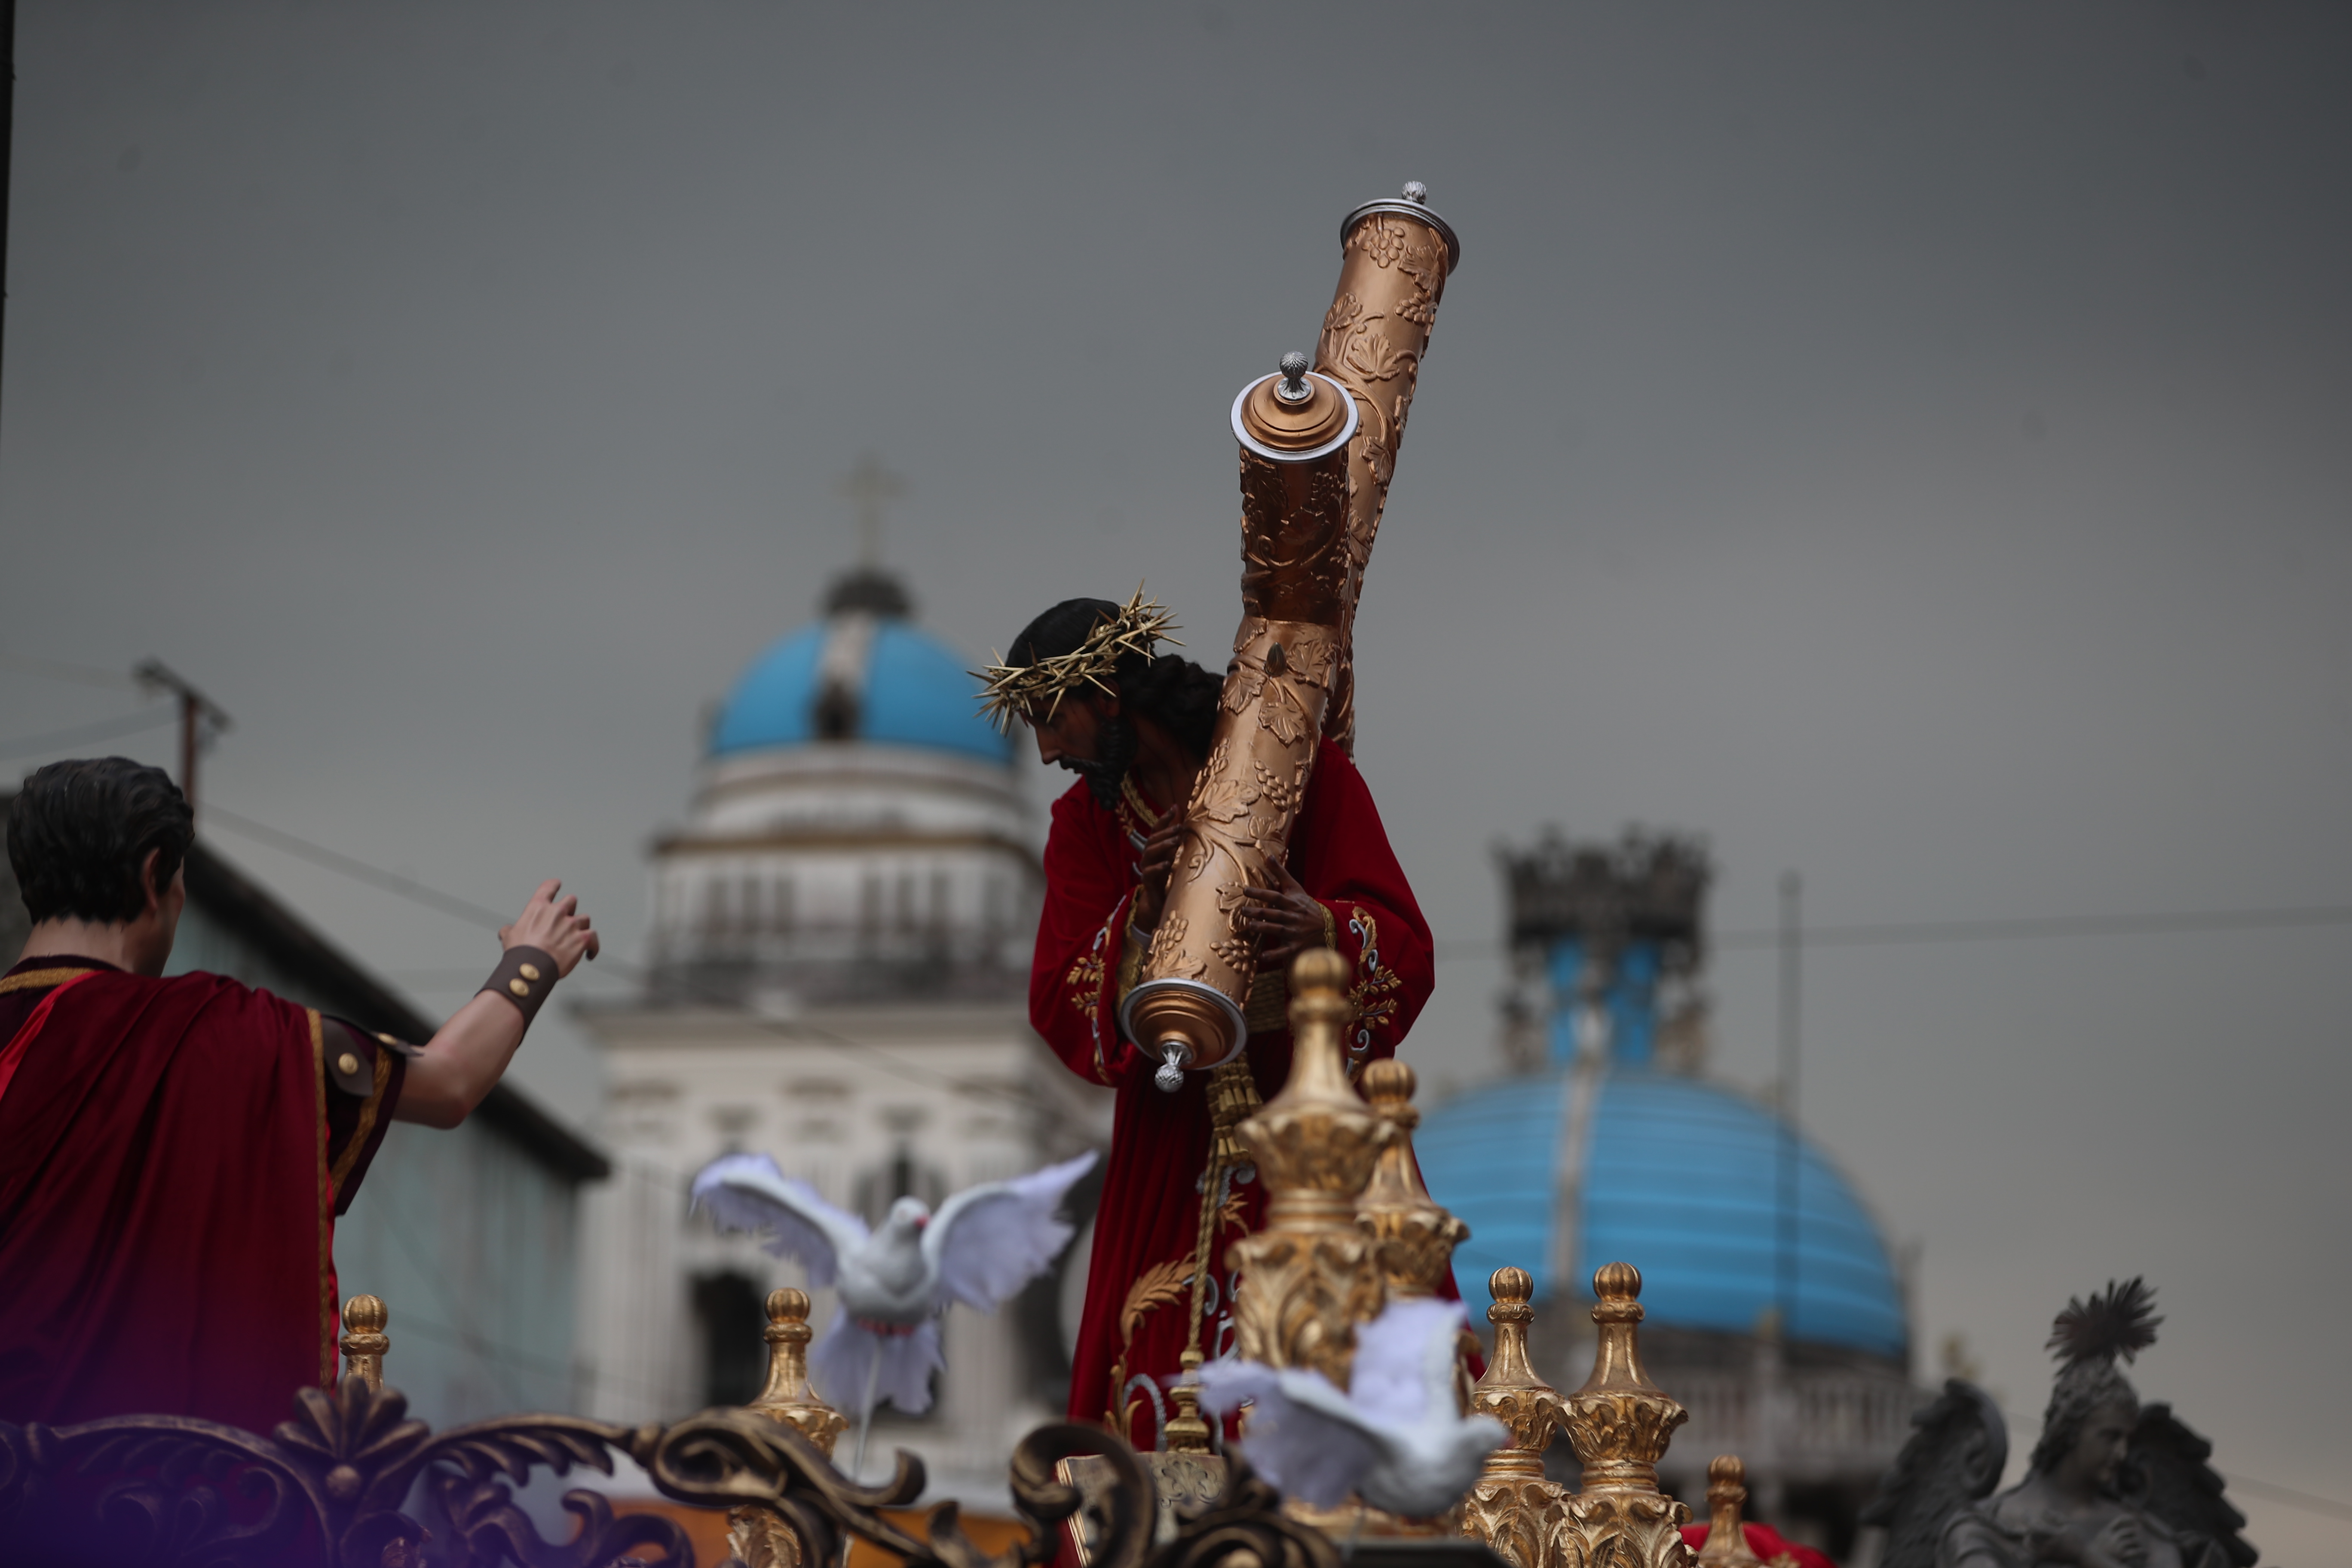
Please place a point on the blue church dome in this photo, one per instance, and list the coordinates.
(864, 673)
(1682, 1180)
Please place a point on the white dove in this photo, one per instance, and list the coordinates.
(984, 1243)
(1393, 1439)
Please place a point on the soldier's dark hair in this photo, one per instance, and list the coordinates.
(1171, 690)
(79, 832)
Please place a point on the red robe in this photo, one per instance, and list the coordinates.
(172, 1154)
(1138, 1308)
(1768, 1544)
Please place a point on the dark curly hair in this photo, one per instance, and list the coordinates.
(1172, 691)
(79, 832)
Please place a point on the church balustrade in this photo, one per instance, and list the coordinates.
(1830, 1420)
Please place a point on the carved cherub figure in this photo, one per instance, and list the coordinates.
(2111, 1484)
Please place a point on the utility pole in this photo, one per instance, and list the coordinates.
(201, 718)
(7, 142)
(1791, 943)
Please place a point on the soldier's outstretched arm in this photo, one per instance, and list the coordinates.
(452, 1071)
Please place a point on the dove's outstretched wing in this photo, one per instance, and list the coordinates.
(987, 1242)
(1303, 1434)
(1393, 1437)
(1957, 1447)
(746, 1192)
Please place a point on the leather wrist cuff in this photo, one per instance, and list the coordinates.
(525, 976)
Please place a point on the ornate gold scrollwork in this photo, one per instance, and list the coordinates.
(325, 1489)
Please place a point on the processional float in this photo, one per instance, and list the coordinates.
(1349, 1225)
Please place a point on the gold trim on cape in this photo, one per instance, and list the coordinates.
(368, 1110)
(33, 979)
(331, 1320)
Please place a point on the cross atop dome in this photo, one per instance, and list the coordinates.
(868, 487)
(867, 588)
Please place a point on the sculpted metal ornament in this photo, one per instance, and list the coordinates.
(1413, 1236)
(1395, 257)
(1512, 1509)
(1317, 448)
(758, 1535)
(1620, 1423)
(1727, 1537)
(1190, 1007)
(1308, 1278)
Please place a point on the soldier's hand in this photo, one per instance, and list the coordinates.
(1157, 863)
(556, 929)
(1284, 920)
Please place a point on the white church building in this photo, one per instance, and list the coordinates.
(838, 978)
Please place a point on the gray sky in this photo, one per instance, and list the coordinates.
(1908, 445)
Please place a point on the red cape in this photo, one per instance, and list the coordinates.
(1138, 1306)
(166, 1204)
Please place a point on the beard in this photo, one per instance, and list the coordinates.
(1116, 742)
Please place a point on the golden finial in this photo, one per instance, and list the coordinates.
(1310, 1272)
(1727, 1541)
(365, 1342)
(1620, 1423)
(1512, 1509)
(1416, 1236)
(788, 1397)
(1187, 1430)
(1510, 1391)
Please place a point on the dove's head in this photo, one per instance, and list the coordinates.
(908, 1213)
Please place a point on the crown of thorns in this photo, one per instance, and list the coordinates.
(1010, 690)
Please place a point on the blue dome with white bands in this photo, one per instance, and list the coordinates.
(859, 676)
(1682, 1180)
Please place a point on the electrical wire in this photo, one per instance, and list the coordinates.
(58, 669)
(104, 730)
(2007, 929)
(1886, 933)
(375, 876)
(482, 915)
(2311, 1501)
(2292, 1498)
